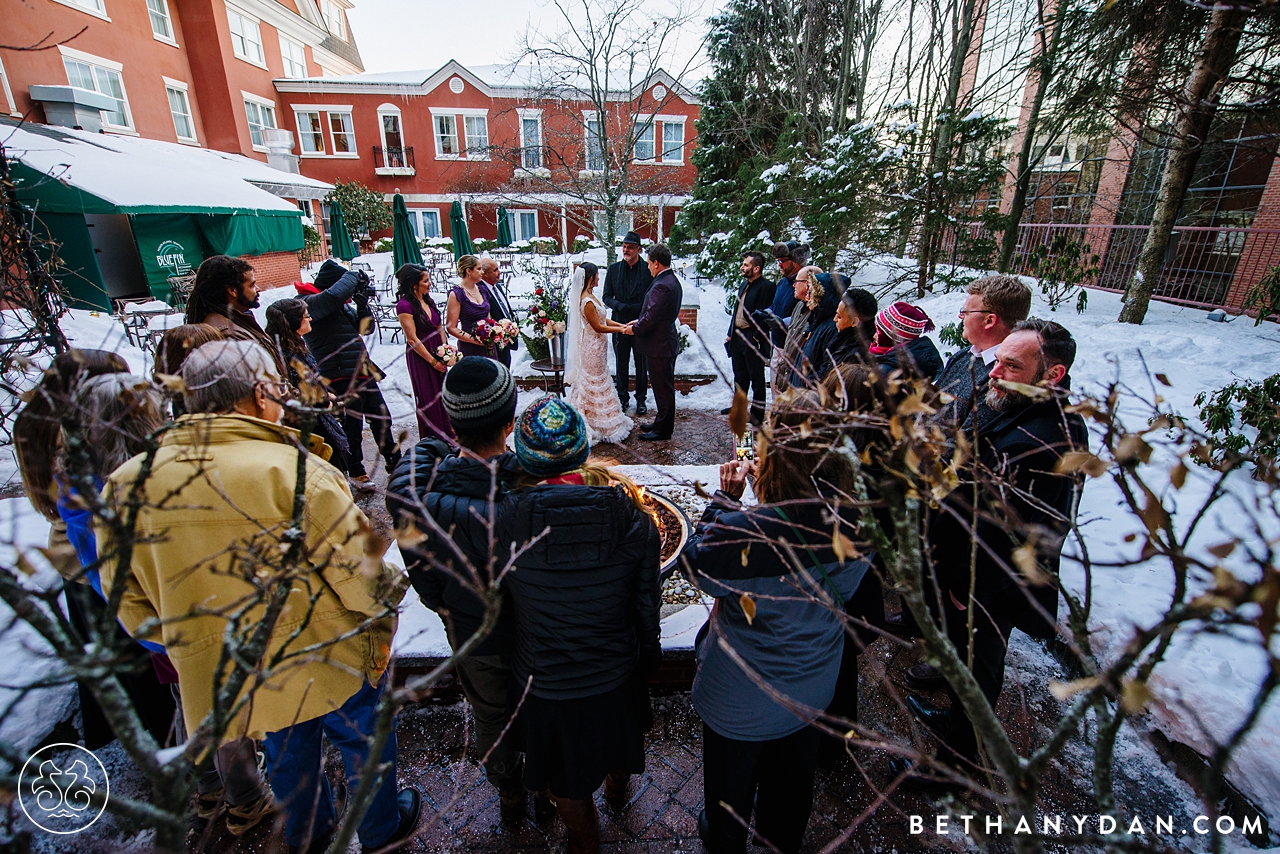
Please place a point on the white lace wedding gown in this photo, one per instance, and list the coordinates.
(593, 393)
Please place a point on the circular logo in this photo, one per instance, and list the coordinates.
(59, 787)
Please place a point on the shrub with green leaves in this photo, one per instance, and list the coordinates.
(363, 210)
(952, 335)
(1264, 296)
(1063, 266)
(1243, 419)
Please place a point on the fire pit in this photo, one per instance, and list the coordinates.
(673, 526)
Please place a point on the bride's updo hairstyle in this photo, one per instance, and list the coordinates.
(590, 273)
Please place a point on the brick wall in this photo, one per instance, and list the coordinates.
(689, 317)
(275, 269)
(1259, 250)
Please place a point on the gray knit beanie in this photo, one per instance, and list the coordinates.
(479, 394)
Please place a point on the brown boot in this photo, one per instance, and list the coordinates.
(615, 788)
(581, 824)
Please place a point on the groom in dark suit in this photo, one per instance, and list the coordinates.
(657, 341)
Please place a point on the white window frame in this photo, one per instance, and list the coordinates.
(475, 152)
(172, 38)
(8, 93)
(661, 155)
(436, 135)
(285, 44)
(234, 12)
(181, 88)
(106, 65)
(419, 217)
(96, 8)
(299, 110)
(406, 168)
(513, 219)
(643, 123)
(352, 152)
(260, 102)
(525, 115)
(588, 139)
(626, 222)
(336, 18)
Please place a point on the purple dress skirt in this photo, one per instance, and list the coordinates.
(427, 382)
(468, 315)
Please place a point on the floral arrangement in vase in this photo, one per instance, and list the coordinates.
(548, 315)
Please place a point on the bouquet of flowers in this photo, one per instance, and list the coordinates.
(496, 334)
(548, 315)
(447, 354)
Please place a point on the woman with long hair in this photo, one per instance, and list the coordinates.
(287, 321)
(468, 304)
(420, 320)
(814, 360)
(759, 750)
(586, 600)
(174, 347)
(591, 390)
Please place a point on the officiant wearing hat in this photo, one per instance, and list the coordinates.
(626, 283)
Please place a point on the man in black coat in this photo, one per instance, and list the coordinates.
(993, 307)
(656, 339)
(1023, 500)
(625, 284)
(748, 343)
(339, 350)
(499, 305)
(452, 566)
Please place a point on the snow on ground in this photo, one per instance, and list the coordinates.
(1202, 689)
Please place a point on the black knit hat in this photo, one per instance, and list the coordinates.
(479, 394)
(329, 274)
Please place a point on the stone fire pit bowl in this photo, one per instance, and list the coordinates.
(674, 526)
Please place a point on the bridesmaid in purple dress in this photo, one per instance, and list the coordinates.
(468, 303)
(420, 320)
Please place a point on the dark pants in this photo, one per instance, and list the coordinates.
(992, 625)
(623, 347)
(487, 682)
(866, 604)
(748, 373)
(294, 761)
(503, 355)
(781, 771)
(365, 402)
(662, 373)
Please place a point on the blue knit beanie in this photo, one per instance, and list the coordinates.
(551, 438)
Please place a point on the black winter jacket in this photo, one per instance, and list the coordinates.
(922, 353)
(625, 288)
(1023, 446)
(455, 492)
(334, 338)
(586, 594)
(816, 361)
(755, 297)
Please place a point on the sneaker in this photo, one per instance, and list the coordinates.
(241, 819)
(209, 805)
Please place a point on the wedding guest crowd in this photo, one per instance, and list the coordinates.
(252, 582)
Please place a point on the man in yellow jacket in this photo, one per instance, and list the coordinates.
(214, 540)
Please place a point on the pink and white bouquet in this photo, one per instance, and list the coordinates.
(449, 355)
(495, 334)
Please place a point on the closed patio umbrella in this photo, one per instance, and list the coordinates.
(458, 226)
(504, 227)
(404, 244)
(340, 243)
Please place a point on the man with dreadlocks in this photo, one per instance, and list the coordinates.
(222, 296)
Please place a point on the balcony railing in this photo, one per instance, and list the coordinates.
(393, 158)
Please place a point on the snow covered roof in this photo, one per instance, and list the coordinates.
(106, 173)
(493, 80)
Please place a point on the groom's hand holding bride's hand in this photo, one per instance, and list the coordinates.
(629, 329)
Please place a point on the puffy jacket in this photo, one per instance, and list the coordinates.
(454, 491)
(222, 487)
(922, 354)
(814, 361)
(793, 641)
(586, 594)
(334, 338)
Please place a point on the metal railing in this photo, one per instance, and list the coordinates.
(393, 158)
(1203, 266)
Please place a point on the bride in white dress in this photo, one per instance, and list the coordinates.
(591, 390)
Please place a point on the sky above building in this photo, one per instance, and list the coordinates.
(398, 35)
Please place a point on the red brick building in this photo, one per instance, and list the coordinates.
(493, 135)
